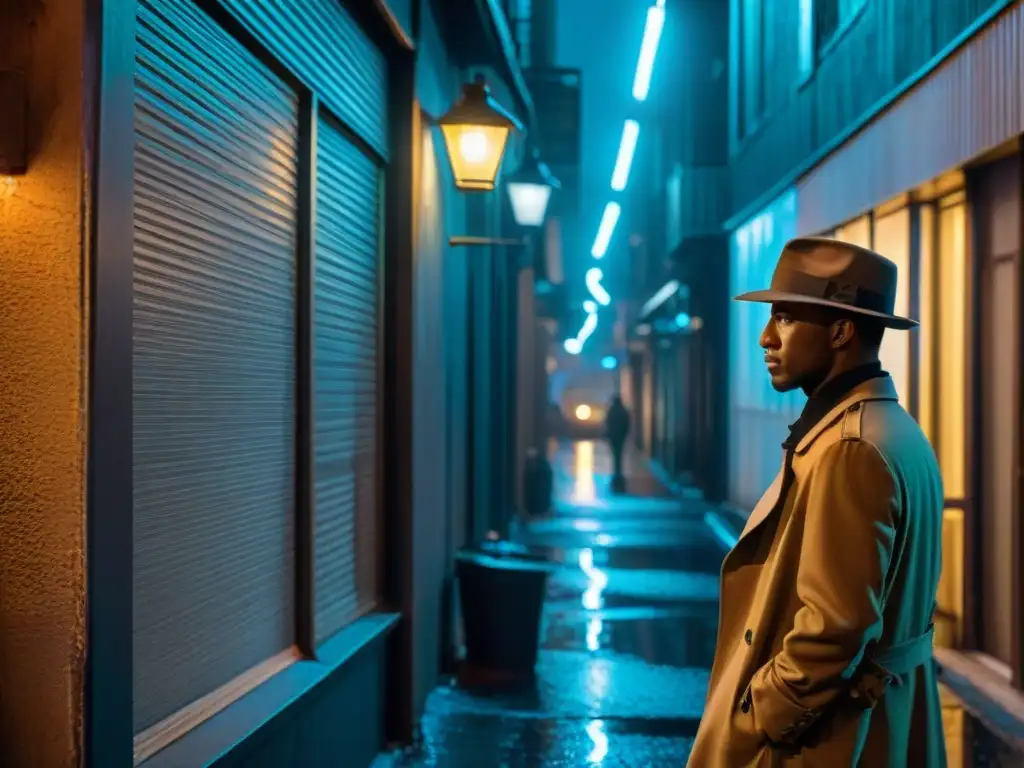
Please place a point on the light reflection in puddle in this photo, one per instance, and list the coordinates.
(584, 489)
(595, 730)
(594, 628)
(592, 599)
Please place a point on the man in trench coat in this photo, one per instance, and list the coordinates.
(824, 652)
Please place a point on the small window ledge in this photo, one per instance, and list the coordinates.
(984, 692)
(217, 736)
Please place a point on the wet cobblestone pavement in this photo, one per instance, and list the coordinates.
(627, 635)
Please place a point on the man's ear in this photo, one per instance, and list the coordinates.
(842, 332)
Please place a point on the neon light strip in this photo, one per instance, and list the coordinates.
(609, 219)
(666, 292)
(624, 161)
(593, 279)
(648, 50)
(589, 326)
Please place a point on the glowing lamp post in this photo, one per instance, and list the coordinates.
(476, 130)
(529, 190)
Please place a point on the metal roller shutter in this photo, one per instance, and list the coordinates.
(214, 364)
(345, 366)
(324, 46)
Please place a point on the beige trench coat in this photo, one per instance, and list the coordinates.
(824, 635)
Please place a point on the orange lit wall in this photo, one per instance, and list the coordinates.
(42, 369)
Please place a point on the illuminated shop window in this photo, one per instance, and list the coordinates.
(892, 240)
(927, 331)
(952, 346)
(857, 232)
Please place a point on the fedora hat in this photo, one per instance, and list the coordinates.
(831, 273)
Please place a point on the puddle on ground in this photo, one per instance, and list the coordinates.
(471, 741)
(698, 553)
(682, 636)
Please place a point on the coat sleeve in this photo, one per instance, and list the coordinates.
(847, 543)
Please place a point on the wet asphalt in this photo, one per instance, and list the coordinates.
(626, 641)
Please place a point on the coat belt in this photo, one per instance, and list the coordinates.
(904, 658)
(885, 667)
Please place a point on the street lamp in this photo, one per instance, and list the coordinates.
(476, 130)
(529, 190)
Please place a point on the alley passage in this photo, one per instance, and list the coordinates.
(627, 637)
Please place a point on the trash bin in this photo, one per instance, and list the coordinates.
(501, 588)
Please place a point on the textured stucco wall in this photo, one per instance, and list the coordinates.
(42, 434)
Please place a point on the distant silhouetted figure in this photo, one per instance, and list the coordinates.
(538, 482)
(616, 429)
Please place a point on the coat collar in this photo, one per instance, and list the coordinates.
(873, 389)
(826, 398)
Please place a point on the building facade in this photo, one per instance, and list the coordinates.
(896, 125)
(254, 400)
(931, 178)
(678, 263)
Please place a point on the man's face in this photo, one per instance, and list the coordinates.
(797, 343)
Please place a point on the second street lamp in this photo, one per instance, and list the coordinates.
(529, 190)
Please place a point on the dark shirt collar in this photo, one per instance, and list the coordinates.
(828, 397)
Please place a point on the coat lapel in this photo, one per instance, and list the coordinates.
(767, 503)
(873, 389)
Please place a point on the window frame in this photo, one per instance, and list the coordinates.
(956, 616)
(109, 717)
(956, 622)
(746, 125)
(907, 276)
(807, 47)
(818, 48)
(823, 45)
(951, 201)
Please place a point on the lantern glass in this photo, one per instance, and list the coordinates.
(529, 190)
(475, 153)
(529, 202)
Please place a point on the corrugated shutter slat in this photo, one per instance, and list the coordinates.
(214, 366)
(345, 380)
(324, 46)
